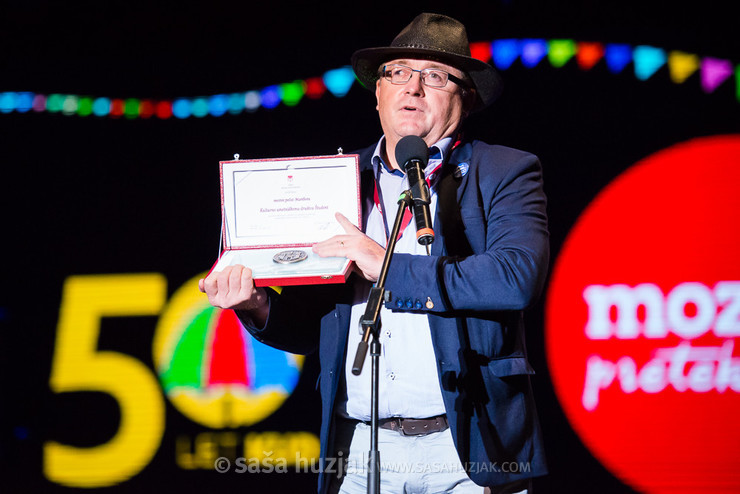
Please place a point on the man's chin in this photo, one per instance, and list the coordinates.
(412, 129)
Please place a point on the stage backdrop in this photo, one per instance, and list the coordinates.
(118, 375)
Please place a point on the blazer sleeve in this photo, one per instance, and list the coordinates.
(503, 208)
(293, 324)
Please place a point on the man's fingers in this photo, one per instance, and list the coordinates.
(235, 280)
(233, 287)
(246, 282)
(349, 228)
(222, 282)
(210, 284)
(337, 246)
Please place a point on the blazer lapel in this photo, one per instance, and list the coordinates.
(448, 225)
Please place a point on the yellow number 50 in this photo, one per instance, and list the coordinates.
(79, 366)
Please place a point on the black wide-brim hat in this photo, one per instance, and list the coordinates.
(432, 37)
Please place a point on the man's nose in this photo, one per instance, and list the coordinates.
(415, 86)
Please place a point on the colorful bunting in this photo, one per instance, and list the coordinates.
(7, 102)
(560, 51)
(199, 108)
(505, 52)
(39, 103)
(589, 54)
(116, 107)
(682, 65)
(218, 105)
(339, 81)
(617, 57)
(252, 100)
(481, 50)
(292, 92)
(146, 108)
(236, 103)
(181, 108)
(648, 60)
(533, 50)
(270, 97)
(315, 88)
(714, 72)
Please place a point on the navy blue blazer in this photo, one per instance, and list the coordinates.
(489, 261)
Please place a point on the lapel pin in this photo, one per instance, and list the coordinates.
(461, 170)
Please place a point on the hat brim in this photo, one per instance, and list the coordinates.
(487, 81)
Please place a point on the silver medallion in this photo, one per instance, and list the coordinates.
(290, 256)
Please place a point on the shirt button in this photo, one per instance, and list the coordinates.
(388, 334)
(392, 376)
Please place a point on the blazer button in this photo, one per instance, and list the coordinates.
(399, 303)
(430, 304)
(417, 304)
(409, 303)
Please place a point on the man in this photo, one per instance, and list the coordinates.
(456, 406)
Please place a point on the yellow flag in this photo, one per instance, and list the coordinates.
(681, 65)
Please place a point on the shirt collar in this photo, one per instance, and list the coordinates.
(437, 153)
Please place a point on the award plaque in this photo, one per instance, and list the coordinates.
(274, 210)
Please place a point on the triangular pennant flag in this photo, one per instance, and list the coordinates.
(315, 87)
(481, 50)
(292, 92)
(560, 51)
(617, 57)
(648, 59)
(505, 52)
(714, 71)
(339, 81)
(589, 54)
(681, 65)
(533, 50)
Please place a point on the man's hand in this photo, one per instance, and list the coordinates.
(233, 288)
(356, 246)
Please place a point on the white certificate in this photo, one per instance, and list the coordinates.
(294, 201)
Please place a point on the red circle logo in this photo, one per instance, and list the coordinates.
(643, 317)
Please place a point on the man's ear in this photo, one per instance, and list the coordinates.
(377, 93)
(469, 96)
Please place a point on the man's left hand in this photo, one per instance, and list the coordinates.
(356, 246)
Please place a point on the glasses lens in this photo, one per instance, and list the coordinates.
(397, 74)
(434, 78)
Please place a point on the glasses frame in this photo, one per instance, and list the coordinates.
(384, 74)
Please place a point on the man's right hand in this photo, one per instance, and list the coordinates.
(233, 288)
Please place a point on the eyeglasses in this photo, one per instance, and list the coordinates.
(400, 74)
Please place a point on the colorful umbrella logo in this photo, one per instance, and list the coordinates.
(212, 370)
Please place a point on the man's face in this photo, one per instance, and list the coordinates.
(416, 109)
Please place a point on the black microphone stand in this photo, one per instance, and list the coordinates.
(371, 324)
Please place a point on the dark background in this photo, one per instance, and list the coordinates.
(88, 195)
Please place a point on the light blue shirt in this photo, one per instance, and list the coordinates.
(409, 383)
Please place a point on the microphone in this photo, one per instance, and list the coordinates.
(412, 154)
